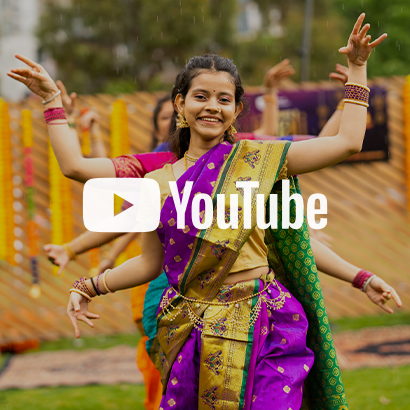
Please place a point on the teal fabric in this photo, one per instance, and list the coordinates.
(151, 303)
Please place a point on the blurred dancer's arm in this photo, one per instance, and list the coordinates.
(116, 249)
(270, 115)
(332, 264)
(59, 254)
(333, 124)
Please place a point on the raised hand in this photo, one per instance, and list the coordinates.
(278, 73)
(379, 292)
(35, 77)
(88, 119)
(358, 48)
(67, 100)
(77, 309)
(342, 74)
(57, 256)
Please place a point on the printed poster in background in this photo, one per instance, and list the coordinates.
(305, 112)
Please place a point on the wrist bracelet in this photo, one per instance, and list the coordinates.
(356, 94)
(96, 290)
(366, 284)
(52, 98)
(71, 254)
(361, 277)
(81, 293)
(105, 281)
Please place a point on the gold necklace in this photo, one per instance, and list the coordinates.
(188, 157)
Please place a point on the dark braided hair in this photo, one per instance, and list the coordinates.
(179, 137)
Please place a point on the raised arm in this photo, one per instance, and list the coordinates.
(64, 142)
(318, 153)
(60, 255)
(328, 262)
(270, 115)
(134, 272)
(332, 126)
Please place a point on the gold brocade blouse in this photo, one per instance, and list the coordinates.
(254, 253)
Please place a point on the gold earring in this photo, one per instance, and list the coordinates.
(231, 130)
(182, 122)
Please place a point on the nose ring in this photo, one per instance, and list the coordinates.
(219, 109)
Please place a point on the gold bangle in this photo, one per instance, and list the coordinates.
(105, 282)
(358, 85)
(71, 254)
(81, 293)
(346, 100)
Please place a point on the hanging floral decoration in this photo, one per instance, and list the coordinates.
(32, 228)
(7, 224)
(60, 204)
(406, 116)
(85, 136)
(120, 145)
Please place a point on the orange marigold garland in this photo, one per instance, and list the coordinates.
(406, 116)
(7, 251)
(32, 228)
(85, 136)
(119, 138)
(120, 145)
(60, 204)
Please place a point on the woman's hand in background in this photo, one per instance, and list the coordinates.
(57, 255)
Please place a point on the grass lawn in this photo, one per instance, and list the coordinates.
(375, 389)
(366, 389)
(384, 319)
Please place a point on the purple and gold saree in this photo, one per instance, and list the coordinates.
(241, 346)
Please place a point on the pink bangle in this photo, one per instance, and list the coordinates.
(55, 113)
(361, 278)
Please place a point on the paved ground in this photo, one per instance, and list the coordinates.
(72, 368)
(369, 347)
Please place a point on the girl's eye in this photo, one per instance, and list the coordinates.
(225, 100)
(200, 97)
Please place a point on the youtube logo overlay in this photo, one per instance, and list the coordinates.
(144, 205)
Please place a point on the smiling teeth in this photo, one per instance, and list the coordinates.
(210, 119)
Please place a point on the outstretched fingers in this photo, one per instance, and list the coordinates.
(61, 87)
(364, 31)
(358, 24)
(74, 321)
(18, 78)
(28, 61)
(378, 40)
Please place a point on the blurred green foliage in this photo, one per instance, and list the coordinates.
(125, 45)
(392, 57)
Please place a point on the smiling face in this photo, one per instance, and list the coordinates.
(209, 105)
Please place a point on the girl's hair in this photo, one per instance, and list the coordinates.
(179, 137)
(157, 110)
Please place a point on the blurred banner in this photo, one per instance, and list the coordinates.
(305, 112)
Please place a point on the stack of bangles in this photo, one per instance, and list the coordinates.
(80, 286)
(55, 113)
(362, 279)
(357, 94)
